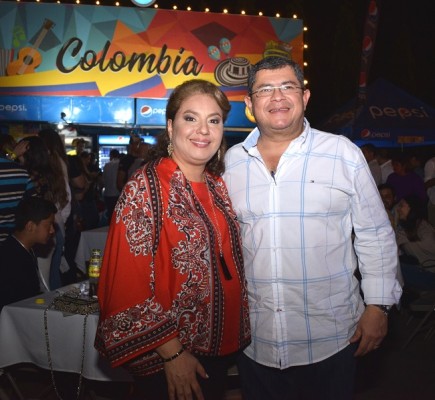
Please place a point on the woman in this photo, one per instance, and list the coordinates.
(416, 240)
(172, 288)
(59, 160)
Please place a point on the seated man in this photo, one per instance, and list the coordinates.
(388, 195)
(19, 274)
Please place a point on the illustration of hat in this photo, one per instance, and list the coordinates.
(232, 71)
(277, 49)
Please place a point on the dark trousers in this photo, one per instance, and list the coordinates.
(330, 379)
(155, 387)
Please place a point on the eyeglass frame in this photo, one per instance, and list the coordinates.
(280, 87)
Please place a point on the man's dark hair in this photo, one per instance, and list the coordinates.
(386, 186)
(114, 153)
(274, 62)
(370, 147)
(33, 209)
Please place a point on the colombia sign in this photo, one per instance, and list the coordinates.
(83, 50)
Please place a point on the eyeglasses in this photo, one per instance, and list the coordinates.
(267, 91)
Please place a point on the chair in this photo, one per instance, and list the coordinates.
(419, 280)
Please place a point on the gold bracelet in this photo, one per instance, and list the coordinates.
(177, 354)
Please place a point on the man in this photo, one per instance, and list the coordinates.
(111, 192)
(19, 273)
(299, 195)
(388, 197)
(79, 145)
(127, 161)
(369, 151)
(15, 184)
(385, 162)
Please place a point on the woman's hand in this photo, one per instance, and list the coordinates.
(21, 147)
(181, 377)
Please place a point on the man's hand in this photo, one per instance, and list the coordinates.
(181, 377)
(370, 331)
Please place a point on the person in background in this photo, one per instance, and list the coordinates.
(111, 192)
(15, 184)
(172, 294)
(7, 145)
(388, 198)
(88, 205)
(404, 181)
(46, 173)
(384, 159)
(126, 161)
(369, 151)
(141, 159)
(415, 236)
(299, 195)
(19, 273)
(416, 240)
(415, 162)
(79, 184)
(79, 145)
(58, 159)
(429, 182)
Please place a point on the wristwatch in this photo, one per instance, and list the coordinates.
(383, 308)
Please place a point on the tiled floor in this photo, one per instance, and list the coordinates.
(392, 372)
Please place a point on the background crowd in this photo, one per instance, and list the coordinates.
(84, 197)
(406, 182)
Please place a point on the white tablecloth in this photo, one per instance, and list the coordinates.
(22, 340)
(91, 239)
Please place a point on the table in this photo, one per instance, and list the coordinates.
(22, 339)
(91, 239)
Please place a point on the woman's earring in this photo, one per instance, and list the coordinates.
(219, 155)
(170, 149)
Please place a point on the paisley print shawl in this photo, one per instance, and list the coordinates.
(162, 247)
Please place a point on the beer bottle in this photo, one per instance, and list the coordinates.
(94, 271)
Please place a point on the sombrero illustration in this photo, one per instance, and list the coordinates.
(232, 71)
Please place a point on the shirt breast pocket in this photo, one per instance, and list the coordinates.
(317, 197)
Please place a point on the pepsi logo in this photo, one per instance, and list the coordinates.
(365, 133)
(146, 111)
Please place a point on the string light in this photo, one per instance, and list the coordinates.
(207, 10)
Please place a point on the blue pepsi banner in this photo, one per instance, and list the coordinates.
(151, 112)
(77, 109)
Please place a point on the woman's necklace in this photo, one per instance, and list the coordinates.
(217, 230)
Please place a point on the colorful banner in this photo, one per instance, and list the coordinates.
(83, 50)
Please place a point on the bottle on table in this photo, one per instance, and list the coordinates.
(94, 271)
